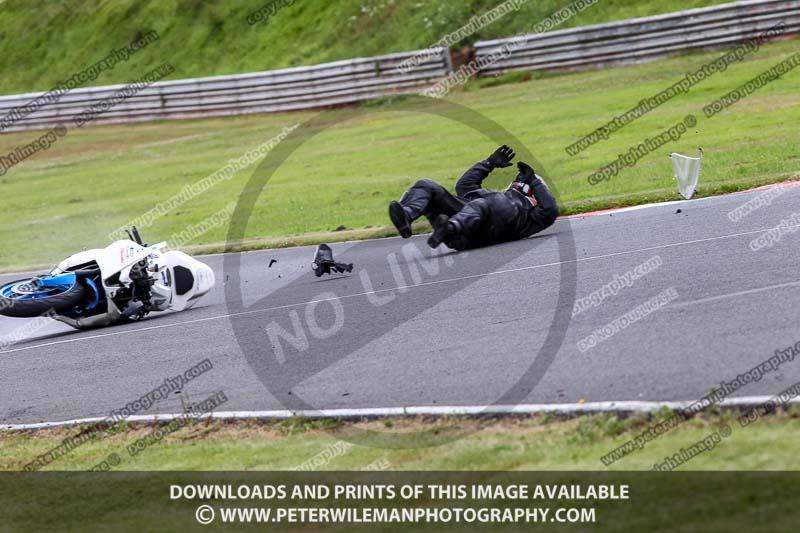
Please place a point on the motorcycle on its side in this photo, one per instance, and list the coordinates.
(122, 282)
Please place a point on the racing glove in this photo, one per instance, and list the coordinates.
(501, 157)
(524, 182)
(526, 173)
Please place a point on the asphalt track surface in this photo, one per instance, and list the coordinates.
(461, 336)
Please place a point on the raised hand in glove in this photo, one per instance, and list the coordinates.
(524, 182)
(526, 173)
(501, 157)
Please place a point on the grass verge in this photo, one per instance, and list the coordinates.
(542, 442)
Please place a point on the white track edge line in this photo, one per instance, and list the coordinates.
(435, 410)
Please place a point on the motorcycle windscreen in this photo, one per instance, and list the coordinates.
(120, 255)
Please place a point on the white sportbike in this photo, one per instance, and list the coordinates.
(122, 282)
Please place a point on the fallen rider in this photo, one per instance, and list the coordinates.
(475, 216)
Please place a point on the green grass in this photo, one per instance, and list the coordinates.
(96, 179)
(255, 453)
(530, 443)
(45, 42)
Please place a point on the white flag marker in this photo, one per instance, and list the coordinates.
(687, 172)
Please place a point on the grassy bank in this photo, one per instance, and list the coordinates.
(42, 43)
(531, 443)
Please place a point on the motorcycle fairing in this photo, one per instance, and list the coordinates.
(186, 279)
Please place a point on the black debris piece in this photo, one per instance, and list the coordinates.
(272, 262)
(324, 263)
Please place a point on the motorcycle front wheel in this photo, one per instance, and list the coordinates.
(28, 298)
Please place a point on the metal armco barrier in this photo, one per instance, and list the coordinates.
(328, 84)
(643, 39)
